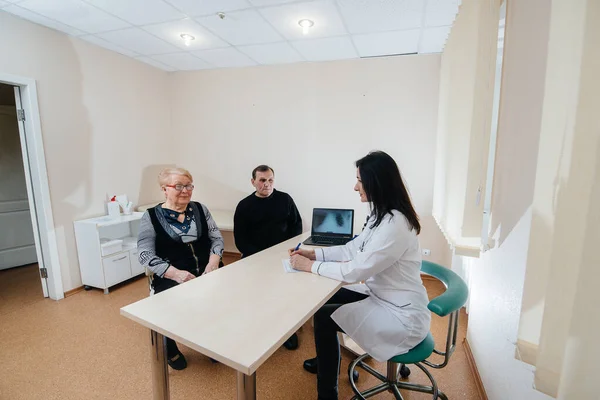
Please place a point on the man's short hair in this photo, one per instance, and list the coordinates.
(261, 168)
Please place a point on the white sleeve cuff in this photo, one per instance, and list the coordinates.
(315, 267)
(319, 254)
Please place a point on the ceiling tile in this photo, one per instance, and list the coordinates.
(363, 16)
(327, 21)
(225, 58)
(75, 13)
(139, 41)
(387, 43)
(325, 49)
(171, 31)
(441, 12)
(40, 19)
(261, 3)
(434, 39)
(182, 61)
(196, 8)
(139, 12)
(272, 53)
(107, 45)
(155, 63)
(242, 27)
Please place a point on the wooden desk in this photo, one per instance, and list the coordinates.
(239, 315)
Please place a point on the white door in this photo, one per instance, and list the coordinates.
(30, 193)
(17, 246)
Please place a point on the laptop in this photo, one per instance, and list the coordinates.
(331, 227)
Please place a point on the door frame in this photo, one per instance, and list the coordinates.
(36, 177)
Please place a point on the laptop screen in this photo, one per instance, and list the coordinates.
(331, 221)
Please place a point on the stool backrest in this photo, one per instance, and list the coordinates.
(456, 292)
(446, 304)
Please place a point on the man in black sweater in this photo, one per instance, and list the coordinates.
(265, 218)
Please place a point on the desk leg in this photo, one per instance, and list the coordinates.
(246, 386)
(160, 373)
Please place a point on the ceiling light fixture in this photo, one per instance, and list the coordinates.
(187, 38)
(305, 24)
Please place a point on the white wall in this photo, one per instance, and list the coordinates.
(310, 122)
(105, 119)
(496, 285)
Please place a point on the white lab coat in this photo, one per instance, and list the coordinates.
(394, 318)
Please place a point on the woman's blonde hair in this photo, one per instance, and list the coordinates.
(164, 177)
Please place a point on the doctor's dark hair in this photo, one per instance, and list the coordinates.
(261, 168)
(385, 189)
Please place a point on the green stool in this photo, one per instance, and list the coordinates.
(447, 304)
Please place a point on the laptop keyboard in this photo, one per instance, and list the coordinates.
(332, 241)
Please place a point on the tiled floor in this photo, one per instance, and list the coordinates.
(81, 348)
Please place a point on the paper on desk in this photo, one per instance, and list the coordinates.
(287, 267)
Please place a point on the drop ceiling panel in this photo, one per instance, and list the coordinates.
(196, 8)
(241, 28)
(387, 43)
(107, 45)
(327, 20)
(171, 32)
(40, 19)
(261, 3)
(252, 31)
(77, 14)
(326, 49)
(225, 58)
(139, 12)
(363, 16)
(434, 39)
(273, 53)
(139, 41)
(182, 61)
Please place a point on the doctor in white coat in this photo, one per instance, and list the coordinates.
(387, 315)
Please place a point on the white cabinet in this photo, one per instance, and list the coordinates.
(107, 249)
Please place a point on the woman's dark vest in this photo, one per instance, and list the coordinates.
(191, 256)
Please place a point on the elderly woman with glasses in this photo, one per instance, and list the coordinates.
(178, 241)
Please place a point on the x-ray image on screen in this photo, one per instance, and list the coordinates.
(332, 221)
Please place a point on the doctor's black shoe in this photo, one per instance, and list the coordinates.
(291, 343)
(311, 366)
(177, 362)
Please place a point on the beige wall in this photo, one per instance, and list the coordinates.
(104, 119)
(107, 128)
(310, 122)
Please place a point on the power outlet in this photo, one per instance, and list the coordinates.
(426, 252)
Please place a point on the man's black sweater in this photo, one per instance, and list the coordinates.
(262, 222)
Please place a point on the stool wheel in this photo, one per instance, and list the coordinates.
(354, 375)
(404, 371)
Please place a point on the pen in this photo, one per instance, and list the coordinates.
(297, 247)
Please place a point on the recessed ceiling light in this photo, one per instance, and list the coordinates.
(187, 38)
(305, 24)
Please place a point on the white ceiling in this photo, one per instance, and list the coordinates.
(253, 32)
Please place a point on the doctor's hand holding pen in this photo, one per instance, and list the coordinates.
(301, 259)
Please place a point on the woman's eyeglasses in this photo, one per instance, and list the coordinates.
(179, 188)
